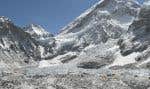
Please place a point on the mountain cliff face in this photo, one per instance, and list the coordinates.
(45, 40)
(37, 32)
(97, 32)
(138, 38)
(16, 46)
(104, 21)
(116, 10)
(106, 47)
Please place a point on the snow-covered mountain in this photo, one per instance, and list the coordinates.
(108, 19)
(100, 27)
(97, 31)
(121, 11)
(16, 46)
(106, 47)
(137, 40)
(37, 32)
(4, 19)
(45, 40)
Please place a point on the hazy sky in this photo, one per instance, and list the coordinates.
(51, 14)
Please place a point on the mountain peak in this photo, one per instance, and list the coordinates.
(4, 19)
(116, 9)
(34, 29)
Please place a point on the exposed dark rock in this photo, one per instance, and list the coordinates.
(90, 65)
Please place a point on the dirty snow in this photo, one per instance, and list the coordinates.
(123, 60)
(48, 63)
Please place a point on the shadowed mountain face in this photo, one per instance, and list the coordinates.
(138, 39)
(16, 46)
(106, 47)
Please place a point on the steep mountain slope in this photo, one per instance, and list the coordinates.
(138, 38)
(97, 31)
(120, 10)
(100, 33)
(16, 46)
(45, 40)
(108, 19)
(22, 47)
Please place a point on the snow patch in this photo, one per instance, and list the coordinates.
(90, 47)
(123, 60)
(55, 61)
(48, 63)
(3, 65)
(42, 50)
(123, 21)
(62, 56)
(144, 62)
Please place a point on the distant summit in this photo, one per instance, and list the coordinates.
(4, 19)
(36, 30)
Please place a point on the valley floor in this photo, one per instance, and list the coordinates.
(35, 78)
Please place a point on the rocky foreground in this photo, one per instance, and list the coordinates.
(103, 79)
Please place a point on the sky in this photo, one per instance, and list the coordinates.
(50, 14)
